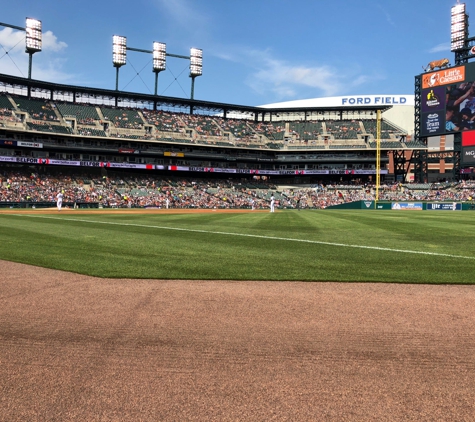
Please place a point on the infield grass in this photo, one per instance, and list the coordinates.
(324, 245)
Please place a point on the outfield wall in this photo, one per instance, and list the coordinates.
(406, 206)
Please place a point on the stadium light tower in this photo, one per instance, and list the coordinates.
(458, 27)
(34, 40)
(196, 67)
(159, 60)
(119, 55)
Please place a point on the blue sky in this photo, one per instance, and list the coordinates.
(255, 52)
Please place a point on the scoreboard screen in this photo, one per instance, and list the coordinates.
(448, 104)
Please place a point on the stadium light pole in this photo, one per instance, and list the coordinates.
(458, 27)
(34, 40)
(159, 60)
(196, 67)
(159, 54)
(119, 55)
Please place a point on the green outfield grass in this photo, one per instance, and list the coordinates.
(324, 245)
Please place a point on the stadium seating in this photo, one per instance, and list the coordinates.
(306, 131)
(414, 145)
(388, 130)
(52, 128)
(84, 115)
(387, 144)
(89, 131)
(164, 121)
(343, 129)
(272, 130)
(37, 109)
(122, 118)
(5, 103)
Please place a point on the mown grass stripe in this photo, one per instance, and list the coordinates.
(316, 242)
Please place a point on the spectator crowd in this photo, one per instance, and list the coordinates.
(125, 190)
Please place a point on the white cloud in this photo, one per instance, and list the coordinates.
(388, 17)
(51, 43)
(287, 81)
(440, 47)
(11, 39)
(47, 64)
(183, 13)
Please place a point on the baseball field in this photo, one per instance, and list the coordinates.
(146, 315)
(367, 246)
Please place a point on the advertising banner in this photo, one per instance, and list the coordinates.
(448, 101)
(30, 144)
(407, 206)
(444, 206)
(8, 159)
(127, 165)
(447, 76)
(468, 156)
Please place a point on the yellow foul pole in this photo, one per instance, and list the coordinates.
(378, 155)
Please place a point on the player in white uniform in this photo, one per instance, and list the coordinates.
(59, 200)
(272, 203)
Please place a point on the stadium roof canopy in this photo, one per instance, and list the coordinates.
(354, 101)
(54, 91)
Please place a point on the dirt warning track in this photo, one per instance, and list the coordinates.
(78, 348)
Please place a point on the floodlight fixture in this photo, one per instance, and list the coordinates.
(33, 35)
(458, 28)
(196, 62)
(159, 56)
(119, 50)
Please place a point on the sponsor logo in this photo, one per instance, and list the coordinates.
(452, 206)
(27, 160)
(433, 123)
(30, 144)
(406, 206)
(373, 100)
(8, 159)
(432, 100)
(443, 77)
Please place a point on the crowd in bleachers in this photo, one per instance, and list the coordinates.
(344, 130)
(164, 121)
(38, 110)
(132, 123)
(18, 185)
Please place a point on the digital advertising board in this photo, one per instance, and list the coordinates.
(448, 104)
(448, 100)
(468, 156)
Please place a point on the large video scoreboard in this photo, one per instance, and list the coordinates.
(448, 106)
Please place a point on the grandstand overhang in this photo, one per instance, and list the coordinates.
(53, 91)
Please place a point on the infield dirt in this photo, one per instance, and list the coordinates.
(78, 348)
